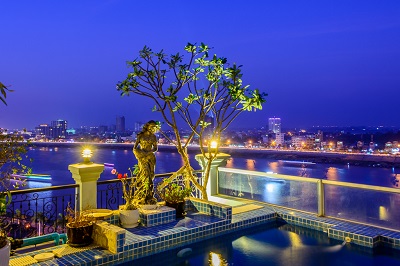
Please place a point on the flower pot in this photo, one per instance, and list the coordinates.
(149, 206)
(179, 207)
(129, 218)
(5, 254)
(79, 236)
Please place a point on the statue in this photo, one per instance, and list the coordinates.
(144, 149)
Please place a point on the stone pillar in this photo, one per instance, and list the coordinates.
(220, 160)
(86, 176)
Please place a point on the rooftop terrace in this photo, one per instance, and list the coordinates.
(222, 215)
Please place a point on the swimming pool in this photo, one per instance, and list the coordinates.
(274, 245)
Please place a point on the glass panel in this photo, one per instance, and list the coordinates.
(293, 194)
(366, 206)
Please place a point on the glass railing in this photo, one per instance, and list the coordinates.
(374, 205)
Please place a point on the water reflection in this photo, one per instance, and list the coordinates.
(250, 164)
(332, 173)
(215, 259)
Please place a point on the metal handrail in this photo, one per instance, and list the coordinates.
(34, 190)
(117, 180)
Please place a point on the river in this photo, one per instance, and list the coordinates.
(54, 161)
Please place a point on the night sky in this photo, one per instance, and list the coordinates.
(326, 63)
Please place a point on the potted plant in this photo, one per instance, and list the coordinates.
(5, 245)
(174, 196)
(128, 213)
(79, 227)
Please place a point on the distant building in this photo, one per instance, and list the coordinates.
(103, 129)
(339, 145)
(274, 125)
(120, 124)
(43, 130)
(138, 126)
(360, 144)
(299, 141)
(59, 128)
(56, 130)
(279, 139)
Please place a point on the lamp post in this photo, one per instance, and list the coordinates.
(86, 175)
(220, 159)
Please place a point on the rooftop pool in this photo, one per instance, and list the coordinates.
(273, 244)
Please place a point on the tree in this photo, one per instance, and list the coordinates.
(189, 91)
(3, 93)
(12, 153)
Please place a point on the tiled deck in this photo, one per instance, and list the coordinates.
(144, 241)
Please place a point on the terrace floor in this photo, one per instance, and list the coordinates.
(196, 226)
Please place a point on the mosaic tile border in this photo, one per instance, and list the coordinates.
(198, 226)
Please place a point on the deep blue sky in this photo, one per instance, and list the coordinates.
(321, 62)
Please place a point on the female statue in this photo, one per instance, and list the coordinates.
(144, 149)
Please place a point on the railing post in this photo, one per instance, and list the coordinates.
(86, 176)
(321, 198)
(220, 160)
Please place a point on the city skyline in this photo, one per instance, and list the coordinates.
(326, 64)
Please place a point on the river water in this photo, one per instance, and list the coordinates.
(55, 160)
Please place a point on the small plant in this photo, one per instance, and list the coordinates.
(128, 187)
(76, 219)
(174, 193)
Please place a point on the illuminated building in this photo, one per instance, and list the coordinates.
(274, 125)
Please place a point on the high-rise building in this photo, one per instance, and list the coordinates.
(120, 124)
(59, 128)
(43, 130)
(274, 125)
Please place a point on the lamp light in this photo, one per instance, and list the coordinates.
(86, 154)
(213, 146)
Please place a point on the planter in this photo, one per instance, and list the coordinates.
(179, 207)
(79, 236)
(149, 206)
(129, 218)
(5, 254)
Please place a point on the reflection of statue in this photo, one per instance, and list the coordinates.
(144, 148)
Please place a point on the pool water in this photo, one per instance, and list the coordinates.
(273, 245)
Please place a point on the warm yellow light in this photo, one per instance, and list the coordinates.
(86, 154)
(216, 260)
(383, 213)
(214, 144)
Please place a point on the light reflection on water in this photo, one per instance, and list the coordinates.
(55, 162)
